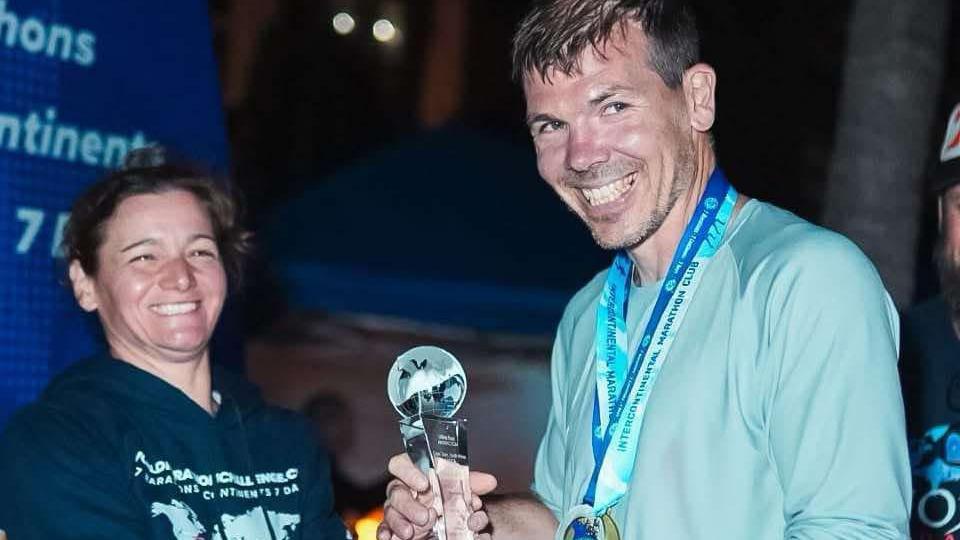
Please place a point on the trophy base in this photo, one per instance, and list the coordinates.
(438, 446)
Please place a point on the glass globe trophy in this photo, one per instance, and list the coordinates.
(426, 386)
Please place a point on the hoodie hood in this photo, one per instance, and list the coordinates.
(127, 387)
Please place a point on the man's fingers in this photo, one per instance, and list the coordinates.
(403, 468)
(481, 483)
(383, 532)
(478, 521)
(407, 514)
(409, 505)
(395, 523)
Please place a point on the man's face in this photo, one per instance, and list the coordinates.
(613, 141)
(948, 250)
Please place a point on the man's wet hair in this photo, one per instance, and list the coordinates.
(555, 34)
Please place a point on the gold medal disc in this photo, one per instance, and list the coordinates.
(610, 531)
(592, 528)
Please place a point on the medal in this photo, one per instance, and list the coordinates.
(583, 525)
(620, 386)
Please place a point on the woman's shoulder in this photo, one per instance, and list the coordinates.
(42, 441)
(68, 416)
(61, 420)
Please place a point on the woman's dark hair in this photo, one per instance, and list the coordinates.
(146, 171)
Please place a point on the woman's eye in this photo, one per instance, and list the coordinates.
(208, 253)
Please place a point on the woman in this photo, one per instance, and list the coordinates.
(150, 442)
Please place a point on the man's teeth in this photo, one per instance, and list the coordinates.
(175, 309)
(609, 192)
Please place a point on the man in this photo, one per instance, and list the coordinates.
(733, 375)
(931, 364)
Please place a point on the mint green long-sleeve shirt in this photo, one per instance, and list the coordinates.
(778, 411)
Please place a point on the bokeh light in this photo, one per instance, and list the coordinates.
(343, 23)
(366, 526)
(384, 30)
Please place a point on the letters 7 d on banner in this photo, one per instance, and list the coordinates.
(81, 84)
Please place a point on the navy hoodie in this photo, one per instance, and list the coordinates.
(110, 451)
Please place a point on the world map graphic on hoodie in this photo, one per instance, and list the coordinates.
(111, 451)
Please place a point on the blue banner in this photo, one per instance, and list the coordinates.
(81, 83)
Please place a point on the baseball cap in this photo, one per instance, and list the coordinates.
(946, 170)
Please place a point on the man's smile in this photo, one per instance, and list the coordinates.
(610, 192)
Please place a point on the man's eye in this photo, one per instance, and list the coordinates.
(553, 125)
(615, 107)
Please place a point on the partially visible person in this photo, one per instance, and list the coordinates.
(734, 373)
(149, 441)
(332, 420)
(930, 364)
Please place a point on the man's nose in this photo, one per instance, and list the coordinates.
(585, 149)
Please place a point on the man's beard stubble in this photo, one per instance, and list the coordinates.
(682, 180)
(949, 272)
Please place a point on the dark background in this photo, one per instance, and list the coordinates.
(306, 103)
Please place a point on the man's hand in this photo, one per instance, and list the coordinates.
(408, 515)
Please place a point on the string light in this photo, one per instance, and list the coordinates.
(343, 23)
(384, 30)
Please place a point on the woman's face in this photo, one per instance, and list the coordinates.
(161, 283)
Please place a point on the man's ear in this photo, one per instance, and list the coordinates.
(699, 92)
(940, 214)
(83, 287)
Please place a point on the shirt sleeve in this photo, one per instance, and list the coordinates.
(548, 473)
(836, 421)
(59, 480)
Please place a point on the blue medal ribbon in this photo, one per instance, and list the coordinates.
(616, 384)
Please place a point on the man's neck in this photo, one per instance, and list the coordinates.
(652, 257)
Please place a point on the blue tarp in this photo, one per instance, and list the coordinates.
(450, 226)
